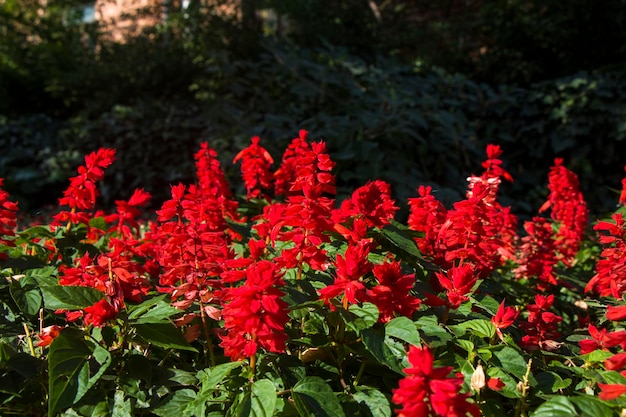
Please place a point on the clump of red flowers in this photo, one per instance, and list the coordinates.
(431, 391)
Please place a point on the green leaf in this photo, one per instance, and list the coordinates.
(555, 407)
(57, 297)
(315, 398)
(164, 335)
(154, 310)
(477, 327)
(178, 404)
(434, 334)
(259, 402)
(121, 406)
(69, 369)
(372, 402)
(366, 316)
(400, 239)
(589, 406)
(511, 361)
(404, 329)
(550, 382)
(26, 295)
(375, 342)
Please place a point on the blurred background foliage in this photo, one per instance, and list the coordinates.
(407, 91)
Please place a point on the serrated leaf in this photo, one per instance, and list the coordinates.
(58, 297)
(313, 397)
(164, 335)
(400, 239)
(404, 329)
(372, 402)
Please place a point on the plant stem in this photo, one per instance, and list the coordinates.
(29, 339)
(520, 408)
(207, 335)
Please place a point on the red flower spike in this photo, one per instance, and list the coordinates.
(349, 271)
(427, 215)
(568, 208)
(255, 169)
(81, 194)
(287, 172)
(255, 314)
(610, 278)
(8, 219)
(430, 391)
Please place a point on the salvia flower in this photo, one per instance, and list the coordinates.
(8, 219)
(82, 192)
(504, 317)
(254, 314)
(541, 326)
(610, 278)
(431, 391)
(392, 292)
(568, 208)
(255, 168)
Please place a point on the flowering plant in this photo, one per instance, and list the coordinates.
(285, 302)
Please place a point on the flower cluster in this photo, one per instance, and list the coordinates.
(431, 391)
(8, 210)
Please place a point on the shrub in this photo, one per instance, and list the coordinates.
(279, 302)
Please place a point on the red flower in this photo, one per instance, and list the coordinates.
(504, 317)
(611, 391)
(429, 391)
(610, 278)
(427, 215)
(541, 327)
(616, 362)
(81, 195)
(371, 201)
(48, 334)
(538, 252)
(287, 173)
(458, 282)
(617, 313)
(254, 314)
(495, 384)
(391, 294)
(8, 210)
(255, 168)
(601, 339)
(349, 270)
(99, 313)
(568, 208)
